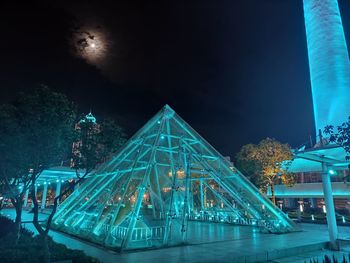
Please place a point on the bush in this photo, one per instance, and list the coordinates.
(329, 259)
(342, 211)
(314, 210)
(7, 227)
(29, 248)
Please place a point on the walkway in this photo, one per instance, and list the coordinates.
(232, 245)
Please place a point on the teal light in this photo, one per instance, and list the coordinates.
(160, 179)
(328, 61)
(332, 172)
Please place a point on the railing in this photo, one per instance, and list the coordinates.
(221, 218)
(139, 233)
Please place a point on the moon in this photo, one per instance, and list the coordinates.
(91, 44)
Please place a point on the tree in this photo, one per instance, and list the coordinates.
(267, 163)
(14, 179)
(248, 166)
(341, 137)
(92, 144)
(36, 132)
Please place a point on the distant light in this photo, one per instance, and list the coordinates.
(301, 208)
(62, 181)
(57, 181)
(332, 172)
(162, 137)
(92, 45)
(312, 217)
(44, 182)
(324, 209)
(343, 219)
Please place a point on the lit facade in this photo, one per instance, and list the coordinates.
(164, 176)
(328, 61)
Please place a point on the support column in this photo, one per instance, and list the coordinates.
(26, 199)
(36, 191)
(43, 200)
(313, 202)
(58, 190)
(201, 193)
(328, 198)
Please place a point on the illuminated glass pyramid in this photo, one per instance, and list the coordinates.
(165, 176)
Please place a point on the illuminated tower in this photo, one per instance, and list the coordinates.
(329, 62)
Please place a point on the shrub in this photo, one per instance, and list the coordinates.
(29, 248)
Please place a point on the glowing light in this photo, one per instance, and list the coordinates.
(312, 217)
(140, 172)
(343, 219)
(91, 43)
(324, 209)
(332, 172)
(301, 207)
(329, 62)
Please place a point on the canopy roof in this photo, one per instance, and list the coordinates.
(311, 160)
(57, 173)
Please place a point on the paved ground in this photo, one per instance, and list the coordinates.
(316, 255)
(230, 244)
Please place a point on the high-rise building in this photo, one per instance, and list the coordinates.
(329, 62)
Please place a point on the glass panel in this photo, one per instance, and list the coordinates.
(165, 176)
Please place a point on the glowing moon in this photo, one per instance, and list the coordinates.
(91, 44)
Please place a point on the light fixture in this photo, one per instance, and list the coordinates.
(332, 172)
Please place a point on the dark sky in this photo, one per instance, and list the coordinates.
(236, 71)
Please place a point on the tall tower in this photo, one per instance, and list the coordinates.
(329, 62)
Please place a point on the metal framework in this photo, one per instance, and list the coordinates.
(164, 176)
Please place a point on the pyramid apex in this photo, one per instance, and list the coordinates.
(168, 111)
(166, 106)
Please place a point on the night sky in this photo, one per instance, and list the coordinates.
(236, 71)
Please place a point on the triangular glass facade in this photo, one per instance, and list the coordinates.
(164, 176)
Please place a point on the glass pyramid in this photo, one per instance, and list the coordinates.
(165, 176)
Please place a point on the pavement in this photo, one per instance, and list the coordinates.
(228, 244)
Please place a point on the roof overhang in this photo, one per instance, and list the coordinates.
(311, 160)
